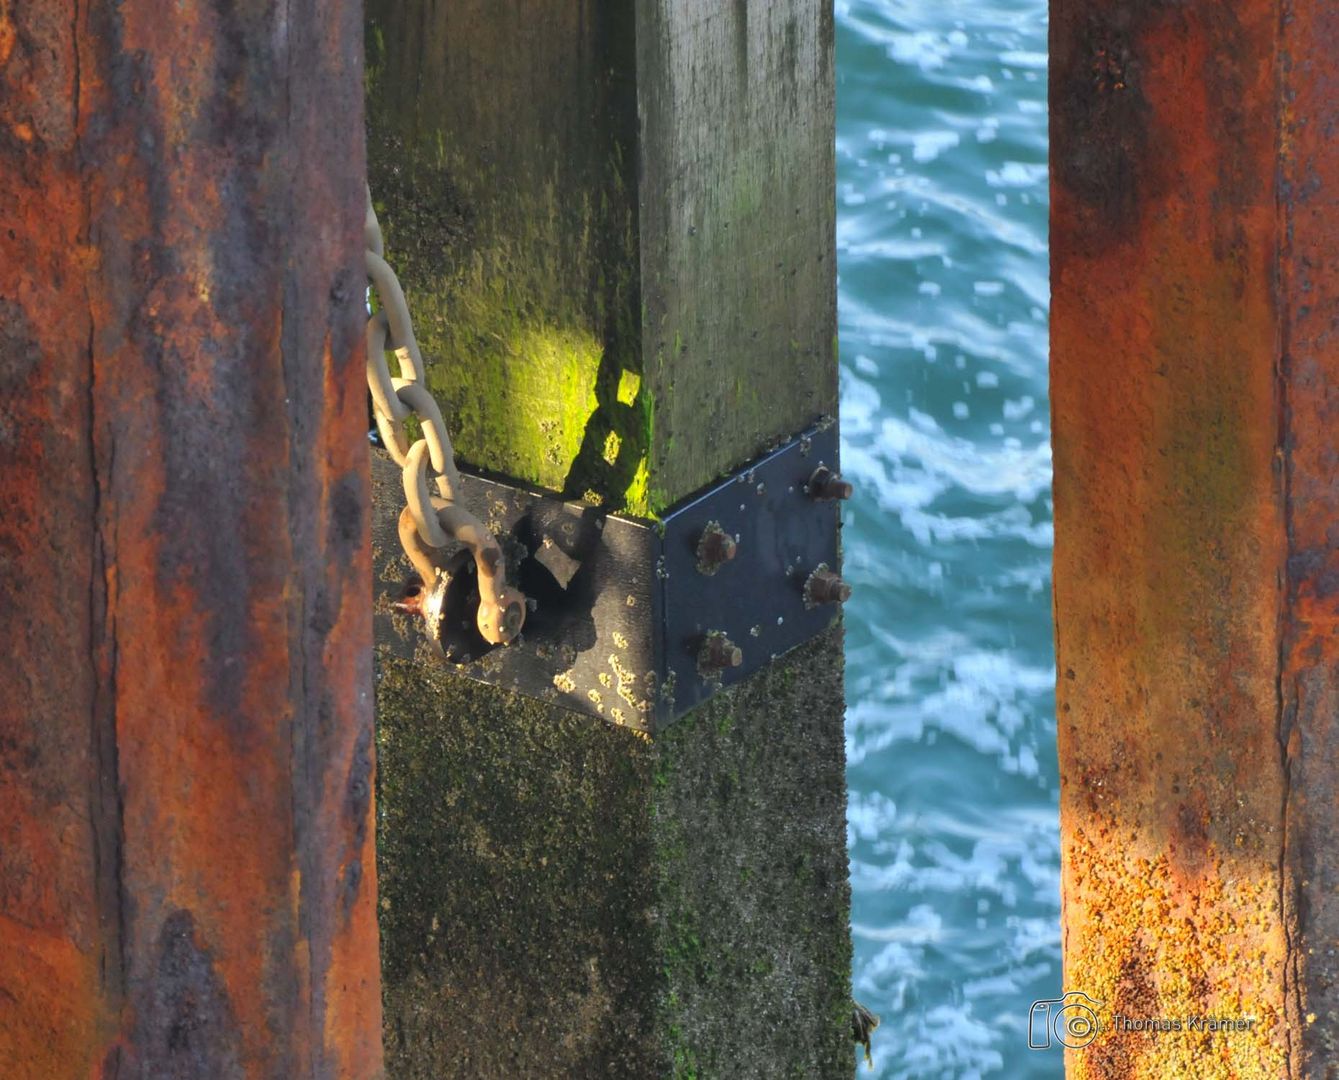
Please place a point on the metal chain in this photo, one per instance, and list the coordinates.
(429, 522)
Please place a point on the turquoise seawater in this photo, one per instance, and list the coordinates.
(943, 291)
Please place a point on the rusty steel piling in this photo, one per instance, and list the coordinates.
(187, 875)
(1195, 367)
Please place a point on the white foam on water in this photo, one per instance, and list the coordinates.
(1018, 58)
(950, 727)
(928, 145)
(1017, 174)
(926, 50)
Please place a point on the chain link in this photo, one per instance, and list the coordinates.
(429, 521)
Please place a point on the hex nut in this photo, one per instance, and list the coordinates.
(824, 586)
(717, 654)
(715, 548)
(827, 485)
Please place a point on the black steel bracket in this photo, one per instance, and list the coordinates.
(641, 621)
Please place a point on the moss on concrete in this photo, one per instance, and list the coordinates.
(556, 249)
(749, 809)
(516, 912)
(529, 368)
(561, 897)
(518, 248)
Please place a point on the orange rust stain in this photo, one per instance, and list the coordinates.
(7, 33)
(353, 1004)
(199, 758)
(1169, 540)
(53, 1010)
(48, 994)
(1148, 943)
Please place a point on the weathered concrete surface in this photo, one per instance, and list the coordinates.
(561, 897)
(614, 223)
(739, 300)
(1194, 366)
(186, 852)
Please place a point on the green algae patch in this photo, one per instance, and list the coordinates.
(514, 353)
(629, 383)
(522, 406)
(518, 248)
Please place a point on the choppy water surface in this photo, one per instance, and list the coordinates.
(941, 187)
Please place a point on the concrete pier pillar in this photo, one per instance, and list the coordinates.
(614, 223)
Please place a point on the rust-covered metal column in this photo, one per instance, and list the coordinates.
(187, 883)
(1195, 381)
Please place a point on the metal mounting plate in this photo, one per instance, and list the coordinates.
(621, 608)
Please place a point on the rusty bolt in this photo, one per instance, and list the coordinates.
(825, 587)
(718, 652)
(716, 548)
(826, 484)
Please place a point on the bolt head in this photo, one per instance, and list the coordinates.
(715, 548)
(826, 485)
(717, 654)
(825, 587)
